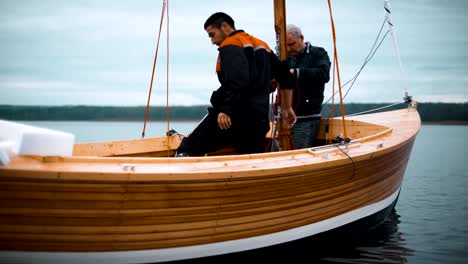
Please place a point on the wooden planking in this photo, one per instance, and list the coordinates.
(222, 226)
(148, 220)
(240, 221)
(356, 129)
(214, 207)
(183, 188)
(257, 199)
(226, 190)
(229, 170)
(211, 238)
(166, 192)
(127, 147)
(229, 232)
(222, 190)
(126, 228)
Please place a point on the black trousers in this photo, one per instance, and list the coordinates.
(247, 134)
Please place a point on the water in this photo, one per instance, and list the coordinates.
(433, 200)
(427, 227)
(86, 131)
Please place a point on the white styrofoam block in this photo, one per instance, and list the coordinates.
(6, 151)
(46, 143)
(11, 131)
(30, 140)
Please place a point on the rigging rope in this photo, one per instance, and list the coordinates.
(329, 126)
(376, 109)
(365, 63)
(368, 58)
(352, 161)
(407, 98)
(335, 53)
(397, 50)
(167, 73)
(154, 68)
(273, 144)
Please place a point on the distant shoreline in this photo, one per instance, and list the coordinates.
(438, 123)
(446, 123)
(109, 120)
(430, 113)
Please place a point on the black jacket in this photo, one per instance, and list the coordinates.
(312, 71)
(244, 72)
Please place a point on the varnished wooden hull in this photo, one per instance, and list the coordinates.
(146, 209)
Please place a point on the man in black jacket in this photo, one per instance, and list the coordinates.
(309, 70)
(240, 106)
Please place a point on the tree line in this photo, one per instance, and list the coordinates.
(429, 112)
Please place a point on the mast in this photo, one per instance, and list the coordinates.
(280, 28)
(282, 135)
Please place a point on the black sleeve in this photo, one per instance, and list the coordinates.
(280, 72)
(234, 79)
(275, 64)
(320, 73)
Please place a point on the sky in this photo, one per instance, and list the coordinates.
(88, 52)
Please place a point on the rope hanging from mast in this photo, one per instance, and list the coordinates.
(329, 125)
(167, 72)
(154, 65)
(336, 64)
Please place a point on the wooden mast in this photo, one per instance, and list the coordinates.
(284, 135)
(280, 28)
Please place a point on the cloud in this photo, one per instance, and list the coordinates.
(29, 86)
(78, 52)
(113, 88)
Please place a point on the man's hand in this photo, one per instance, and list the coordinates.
(224, 121)
(288, 117)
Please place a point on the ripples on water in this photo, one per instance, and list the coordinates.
(384, 244)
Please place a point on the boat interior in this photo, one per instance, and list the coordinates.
(166, 146)
(16, 138)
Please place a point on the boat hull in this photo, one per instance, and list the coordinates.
(353, 223)
(161, 209)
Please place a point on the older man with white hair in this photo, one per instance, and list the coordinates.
(309, 70)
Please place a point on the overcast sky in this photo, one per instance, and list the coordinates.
(93, 52)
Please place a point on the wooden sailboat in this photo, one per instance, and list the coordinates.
(129, 202)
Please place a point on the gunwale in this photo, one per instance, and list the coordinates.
(128, 169)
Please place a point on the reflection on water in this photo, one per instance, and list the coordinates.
(382, 244)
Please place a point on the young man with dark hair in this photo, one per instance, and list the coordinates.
(240, 106)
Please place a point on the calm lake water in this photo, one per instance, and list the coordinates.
(429, 225)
